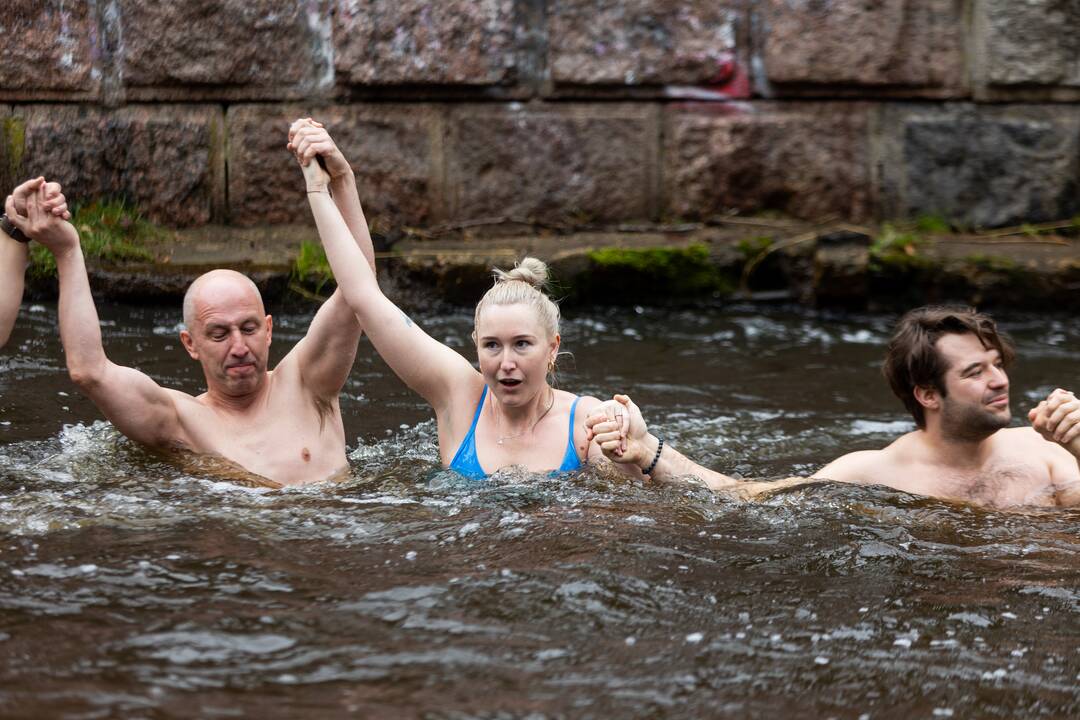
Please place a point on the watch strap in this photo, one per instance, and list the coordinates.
(9, 227)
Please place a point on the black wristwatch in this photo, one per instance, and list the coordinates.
(9, 227)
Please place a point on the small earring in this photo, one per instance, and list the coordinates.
(551, 366)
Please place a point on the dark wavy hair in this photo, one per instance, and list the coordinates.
(912, 359)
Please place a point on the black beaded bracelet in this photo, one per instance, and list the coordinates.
(12, 231)
(652, 465)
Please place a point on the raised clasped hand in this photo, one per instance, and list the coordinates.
(619, 429)
(308, 139)
(41, 223)
(54, 200)
(1057, 418)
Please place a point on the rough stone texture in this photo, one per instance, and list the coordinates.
(223, 43)
(628, 42)
(914, 43)
(392, 148)
(984, 166)
(554, 163)
(167, 160)
(840, 276)
(48, 46)
(810, 160)
(11, 147)
(1033, 42)
(395, 42)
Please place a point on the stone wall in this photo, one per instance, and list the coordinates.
(576, 111)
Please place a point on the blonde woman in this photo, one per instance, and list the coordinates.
(507, 414)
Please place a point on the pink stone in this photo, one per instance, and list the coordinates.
(451, 42)
(391, 148)
(810, 160)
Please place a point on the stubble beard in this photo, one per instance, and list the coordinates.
(970, 423)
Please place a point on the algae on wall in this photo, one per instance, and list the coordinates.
(657, 273)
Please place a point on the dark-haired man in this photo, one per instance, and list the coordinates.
(947, 365)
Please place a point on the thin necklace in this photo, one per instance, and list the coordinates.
(504, 438)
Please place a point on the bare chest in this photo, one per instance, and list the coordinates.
(284, 442)
(999, 484)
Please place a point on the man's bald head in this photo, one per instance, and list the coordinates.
(208, 282)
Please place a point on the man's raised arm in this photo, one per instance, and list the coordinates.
(135, 404)
(326, 354)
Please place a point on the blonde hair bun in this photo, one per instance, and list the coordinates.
(530, 270)
(523, 285)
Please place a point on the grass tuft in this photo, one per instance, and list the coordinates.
(311, 269)
(111, 232)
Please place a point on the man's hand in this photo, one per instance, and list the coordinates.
(40, 224)
(54, 201)
(308, 138)
(618, 427)
(1057, 418)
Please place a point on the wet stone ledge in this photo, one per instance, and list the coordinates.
(836, 266)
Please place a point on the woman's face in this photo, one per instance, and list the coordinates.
(514, 351)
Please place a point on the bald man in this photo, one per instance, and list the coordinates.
(280, 427)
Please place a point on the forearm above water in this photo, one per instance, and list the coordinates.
(354, 275)
(13, 257)
(347, 200)
(80, 330)
(673, 464)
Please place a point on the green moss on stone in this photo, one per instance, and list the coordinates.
(895, 249)
(932, 225)
(14, 145)
(993, 263)
(751, 247)
(681, 271)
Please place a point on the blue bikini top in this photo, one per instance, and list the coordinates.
(466, 463)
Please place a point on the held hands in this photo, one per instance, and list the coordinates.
(54, 202)
(317, 179)
(1057, 418)
(309, 139)
(41, 221)
(619, 429)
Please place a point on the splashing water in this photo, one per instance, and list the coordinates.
(132, 587)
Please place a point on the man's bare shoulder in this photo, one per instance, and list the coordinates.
(1026, 443)
(869, 466)
(855, 467)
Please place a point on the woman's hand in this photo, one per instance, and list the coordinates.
(308, 140)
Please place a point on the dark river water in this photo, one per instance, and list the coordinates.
(131, 589)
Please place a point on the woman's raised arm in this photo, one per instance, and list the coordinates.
(427, 366)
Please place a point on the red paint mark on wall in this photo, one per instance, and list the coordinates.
(731, 79)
